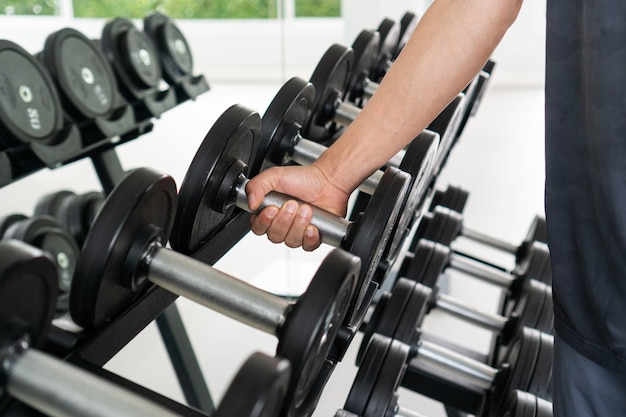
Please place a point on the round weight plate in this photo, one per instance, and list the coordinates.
(139, 211)
(49, 204)
(47, 234)
(416, 266)
(518, 404)
(30, 109)
(545, 322)
(371, 326)
(176, 58)
(8, 220)
(418, 162)
(28, 289)
(453, 227)
(389, 31)
(453, 198)
(541, 382)
(367, 374)
(232, 137)
(521, 358)
(78, 212)
(408, 23)
(446, 124)
(535, 264)
(132, 54)
(438, 225)
(538, 230)
(82, 73)
(413, 315)
(282, 121)
(392, 371)
(330, 78)
(258, 389)
(365, 49)
(313, 323)
(529, 305)
(370, 234)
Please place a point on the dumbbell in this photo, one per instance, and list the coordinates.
(389, 32)
(56, 388)
(374, 390)
(330, 113)
(28, 290)
(75, 212)
(455, 198)
(124, 254)
(47, 234)
(429, 260)
(281, 144)
(258, 389)
(175, 55)
(444, 225)
(30, 107)
(135, 61)
(526, 364)
(408, 23)
(420, 299)
(82, 76)
(214, 188)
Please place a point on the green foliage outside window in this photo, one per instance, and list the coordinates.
(179, 9)
(318, 8)
(29, 7)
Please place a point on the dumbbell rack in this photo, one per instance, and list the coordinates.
(92, 351)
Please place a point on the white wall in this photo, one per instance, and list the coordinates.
(275, 50)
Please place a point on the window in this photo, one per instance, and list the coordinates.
(179, 9)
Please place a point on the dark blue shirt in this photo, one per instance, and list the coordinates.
(586, 174)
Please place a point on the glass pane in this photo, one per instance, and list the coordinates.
(28, 7)
(318, 8)
(178, 9)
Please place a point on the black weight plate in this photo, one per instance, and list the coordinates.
(371, 326)
(78, 212)
(413, 316)
(132, 54)
(393, 312)
(365, 48)
(437, 226)
(389, 31)
(176, 57)
(418, 162)
(518, 404)
(382, 396)
(545, 322)
(28, 289)
(47, 234)
(83, 75)
(453, 227)
(453, 197)
(538, 230)
(330, 79)
(367, 374)
(8, 220)
(49, 204)
(139, 211)
(282, 122)
(370, 234)
(30, 108)
(408, 23)
(258, 389)
(446, 124)
(521, 358)
(536, 264)
(313, 323)
(232, 137)
(416, 266)
(541, 381)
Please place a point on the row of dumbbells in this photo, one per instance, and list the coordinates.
(79, 95)
(224, 160)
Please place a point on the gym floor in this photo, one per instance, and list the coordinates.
(499, 160)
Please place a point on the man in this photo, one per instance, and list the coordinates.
(585, 169)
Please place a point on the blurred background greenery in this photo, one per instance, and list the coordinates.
(180, 9)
